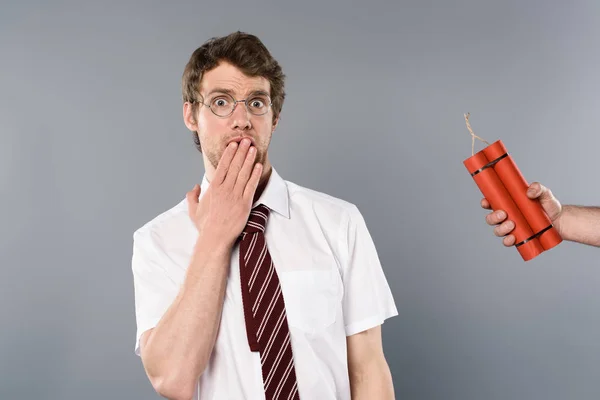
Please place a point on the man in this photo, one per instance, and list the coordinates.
(254, 287)
(574, 223)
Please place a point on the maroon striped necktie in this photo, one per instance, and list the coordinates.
(264, 310)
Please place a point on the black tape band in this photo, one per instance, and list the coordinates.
(534, 236)
(490, 164)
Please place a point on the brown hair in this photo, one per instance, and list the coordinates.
(243, 50)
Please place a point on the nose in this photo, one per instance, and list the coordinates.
(240, 118)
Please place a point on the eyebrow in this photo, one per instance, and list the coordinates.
(230, 92)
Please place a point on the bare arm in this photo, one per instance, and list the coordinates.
(175, 352)
(580, 224)
(369, 374)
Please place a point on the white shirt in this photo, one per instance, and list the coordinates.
(330, 276)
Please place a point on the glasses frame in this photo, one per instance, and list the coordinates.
(235, 103)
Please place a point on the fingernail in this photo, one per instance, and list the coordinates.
(501, 214)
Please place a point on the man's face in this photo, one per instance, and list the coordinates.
(216, 132)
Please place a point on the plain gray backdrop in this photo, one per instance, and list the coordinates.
(93, 146)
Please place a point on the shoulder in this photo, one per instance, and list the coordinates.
(322, 203)
(166, 229)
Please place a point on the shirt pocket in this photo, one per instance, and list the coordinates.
(312, 298)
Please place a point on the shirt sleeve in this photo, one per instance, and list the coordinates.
(154, 289)
(367, 300)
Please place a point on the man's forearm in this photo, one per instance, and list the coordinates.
(580, 224)
(179, 347)
(373, 382)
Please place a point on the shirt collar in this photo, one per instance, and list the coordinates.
(275, 196)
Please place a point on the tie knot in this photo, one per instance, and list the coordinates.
(257, 220)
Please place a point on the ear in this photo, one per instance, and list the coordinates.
(189, 118)
(275, 123)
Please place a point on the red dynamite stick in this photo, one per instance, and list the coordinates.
(502, 184)
(517, 186)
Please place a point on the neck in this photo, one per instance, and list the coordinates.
(262, 183)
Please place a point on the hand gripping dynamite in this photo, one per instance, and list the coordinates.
(502, 184)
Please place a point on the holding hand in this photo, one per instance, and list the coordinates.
(503, 228)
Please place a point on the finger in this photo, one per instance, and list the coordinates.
(236, 163)
(504, 229)
(509, 240)
(246, 171)
(485, 204)
(225, 163)
(496, 217)
(253, 182)
(192, 199)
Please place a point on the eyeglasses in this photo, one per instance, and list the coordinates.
(223, 105)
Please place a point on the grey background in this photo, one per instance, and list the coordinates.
(93, 146)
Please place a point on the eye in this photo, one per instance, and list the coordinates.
(220, 102)
(257, 102)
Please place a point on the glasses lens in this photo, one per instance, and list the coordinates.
(222, 105)
(259, 104)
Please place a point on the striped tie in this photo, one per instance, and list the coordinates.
(264, 310)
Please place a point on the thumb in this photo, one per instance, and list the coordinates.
(536, 190)
(549, 203)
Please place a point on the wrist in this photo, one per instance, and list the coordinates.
(561, 222)
(215, 244)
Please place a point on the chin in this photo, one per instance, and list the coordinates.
(260, 158)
